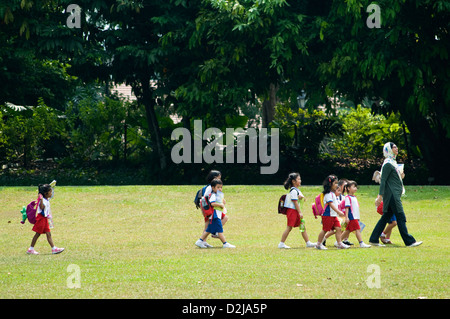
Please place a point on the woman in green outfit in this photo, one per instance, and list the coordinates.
(391, 190)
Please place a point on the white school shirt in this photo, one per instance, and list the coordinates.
(294, 195)
(208, 190)
(353, 212)
(213, 199)
(327, 199)
(46, 211)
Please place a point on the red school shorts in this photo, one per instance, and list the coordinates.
(41, 225)
(353, 225)
(330, 223)
(293, 217)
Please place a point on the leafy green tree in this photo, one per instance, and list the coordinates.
(28, 133)
(251, 46)
(403, 63)
(364, 134)
(303, 132)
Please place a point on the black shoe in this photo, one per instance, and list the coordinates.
(347, 242)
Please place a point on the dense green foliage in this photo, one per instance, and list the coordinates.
(133, 242)
(224, 62)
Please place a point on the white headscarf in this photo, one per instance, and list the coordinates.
(390, 158)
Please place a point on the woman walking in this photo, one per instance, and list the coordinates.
(391, 190)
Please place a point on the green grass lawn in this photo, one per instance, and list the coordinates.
(138, 242)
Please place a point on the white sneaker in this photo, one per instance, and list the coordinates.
(377, 244)
(363, 245)
(310, 244)
(283, 245)
(32, 252)
(228, 245)
(341, 246)
(57, 250)
(201, 244)
(321, 246)
(417, 243)
(207, 245)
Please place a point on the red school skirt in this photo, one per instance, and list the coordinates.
(41, 225)
(293, 217)
(330, 222)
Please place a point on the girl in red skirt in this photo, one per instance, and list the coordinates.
(42, 226)
(293, 214)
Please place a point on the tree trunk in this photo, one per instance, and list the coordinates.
(268, 105)
(146, 98)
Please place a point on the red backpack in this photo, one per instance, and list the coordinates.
(206, 206)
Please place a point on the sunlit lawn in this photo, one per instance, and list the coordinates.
(138, 242)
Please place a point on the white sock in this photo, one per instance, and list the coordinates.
(31, 248)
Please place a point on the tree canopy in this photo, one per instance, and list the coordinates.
(212, 59)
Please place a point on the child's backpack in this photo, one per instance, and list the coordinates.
(198, 196)
(206, 207)
(317, 207)
(342, 204)
(32, 210)
(281, 208)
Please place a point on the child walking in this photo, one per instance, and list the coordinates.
(42, 220)
(352, 214)
(293, 214)
(339, 192)
(385, 236)
(329, 217)
(215, 225)
(206, 191)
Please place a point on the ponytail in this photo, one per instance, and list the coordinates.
(288, 182)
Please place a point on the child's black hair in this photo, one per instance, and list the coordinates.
(350, 183)
(328, 182)
(44, 189)
(288, 182)
(343, 181)
(212, 175)
(216, 182)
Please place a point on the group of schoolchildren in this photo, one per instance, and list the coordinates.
(335, 205)
(337, 209)
(333, 196)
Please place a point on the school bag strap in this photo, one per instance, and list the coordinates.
(281, 209)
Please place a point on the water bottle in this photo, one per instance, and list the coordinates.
(50, 221)
(302, 225)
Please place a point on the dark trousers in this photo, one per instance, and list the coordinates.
(401, 223)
